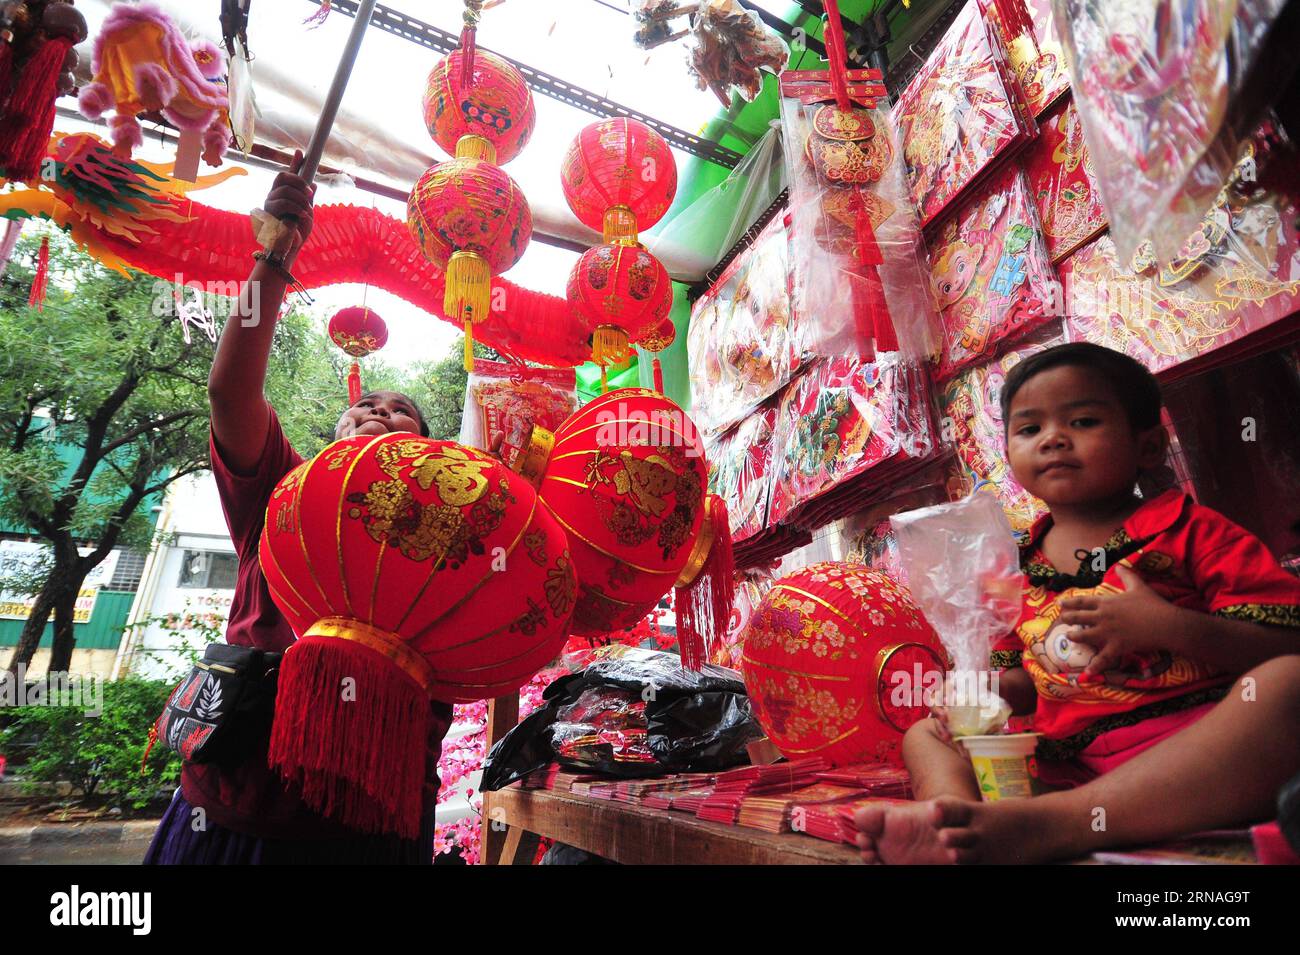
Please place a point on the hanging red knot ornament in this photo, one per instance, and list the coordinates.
(469, 217)
(383, 554)
(846, 151)
(27, 116)
(654, 341)
(620, 290)
(358, 331)
(625, 477)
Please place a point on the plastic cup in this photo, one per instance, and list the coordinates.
(1004, 765)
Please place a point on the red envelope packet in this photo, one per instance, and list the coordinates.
(1060, 174)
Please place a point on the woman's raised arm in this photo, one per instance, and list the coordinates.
(235, 393)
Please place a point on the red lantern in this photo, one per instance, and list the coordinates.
(619, 177)
(625, 477)
(411, 570)
(656, 340)
(825, 656)
(471, 220)
(358, 332)
(620, 289)
(495, 107)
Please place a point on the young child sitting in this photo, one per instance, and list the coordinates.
(1156, 648)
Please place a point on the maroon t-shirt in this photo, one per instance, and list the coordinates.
(252, 798)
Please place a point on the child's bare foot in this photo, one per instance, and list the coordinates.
(949, 831)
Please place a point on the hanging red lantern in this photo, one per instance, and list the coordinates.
(619, 177)
(412, 570)
(625, 477)
(494, 109)
(471, 220)
(654, 341)
(620, 290)
(836, 658)
(358, 332)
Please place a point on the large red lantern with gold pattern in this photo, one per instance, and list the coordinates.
(495, 107)
(831, 658)
(471, 220)
(619, 177)
(412, 570)
(625, 477)
(358, 332)
(621, 289)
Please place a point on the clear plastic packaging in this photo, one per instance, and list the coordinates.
(1235, 275)
(740, 470)
(729, 48)
(959, 113)
(970, 413)
(1063, 183)
(1156, 83)
(745, 341)
(508, 399)
(963, 569)
(839, 170)
(992, 276)
(1034, 53)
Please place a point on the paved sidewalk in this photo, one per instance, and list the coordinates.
(82, 843)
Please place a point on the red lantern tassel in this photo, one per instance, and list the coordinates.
(41, 280)
(351, 729)
(354, 383)
(870, 307)
(659, 374)
(29, 114)
(704, 603)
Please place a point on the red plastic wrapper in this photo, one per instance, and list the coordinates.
(1033, 48)
(745, 341)
(1156, 83)
(971, 417)
(1237, 275)
(842, 419)
(603, 726)
(856, 252)
(992, 275)
(959, 113)
(508, 399)
(1061, 176)
(740, 470)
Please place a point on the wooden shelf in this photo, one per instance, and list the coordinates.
(635, 835)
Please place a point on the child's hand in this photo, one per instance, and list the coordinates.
(291, 196)
(1115, 625)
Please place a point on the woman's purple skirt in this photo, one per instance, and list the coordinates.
(177, 843)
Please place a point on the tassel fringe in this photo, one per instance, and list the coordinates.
(609, 345)
(354, 383)
(704, 604)
(358, 757)
(29, 114)
(41, 279)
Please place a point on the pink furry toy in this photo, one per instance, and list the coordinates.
(143, 63)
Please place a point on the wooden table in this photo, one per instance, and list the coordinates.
(515, 819)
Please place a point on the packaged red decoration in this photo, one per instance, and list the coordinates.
(729, 47)
(856, 255)
(1236, 275)
(740, 470)
(1157, 83)
(745, 341)
(1061, 177)
(508, 399)
(958, 114)
(992, 276)
(971, 418)
(1034, 49)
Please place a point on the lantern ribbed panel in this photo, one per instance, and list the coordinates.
(496, 105)
(619, 163)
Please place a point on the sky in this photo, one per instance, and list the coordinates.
(583, 41)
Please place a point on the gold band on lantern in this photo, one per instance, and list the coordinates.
(382, 642)
(699, 550)
(473, 146)
(620, 225)
(531, 461)
(883, 657)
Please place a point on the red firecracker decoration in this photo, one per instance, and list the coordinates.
(412, 570)
(471, 220)
(836, 661)
(28, 115)
(619, 177)
(358, 331)
(621, 290)
(625, 477)
(494, 109)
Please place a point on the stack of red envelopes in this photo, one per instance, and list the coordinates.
(876, 779)
(834, 821)
(773, 813)
(734, 785)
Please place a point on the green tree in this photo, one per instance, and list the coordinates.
(106, 371)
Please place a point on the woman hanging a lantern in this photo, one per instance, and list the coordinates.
(246, 813)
